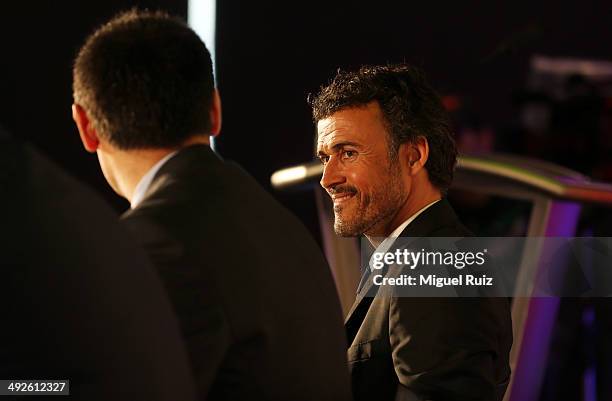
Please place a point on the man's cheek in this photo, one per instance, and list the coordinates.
(354, 176)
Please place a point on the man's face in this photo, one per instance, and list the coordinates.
(365, 185)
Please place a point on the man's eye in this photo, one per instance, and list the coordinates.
(324, 159)
(349, 154)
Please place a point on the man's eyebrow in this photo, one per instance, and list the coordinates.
(339, 145)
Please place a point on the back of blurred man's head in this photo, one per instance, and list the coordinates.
(145, 79)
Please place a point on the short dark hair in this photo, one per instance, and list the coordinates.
(410, 107)
(146, 81)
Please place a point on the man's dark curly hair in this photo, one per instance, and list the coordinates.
(145, 79)
(410, 107)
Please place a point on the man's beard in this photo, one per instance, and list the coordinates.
(374, 210)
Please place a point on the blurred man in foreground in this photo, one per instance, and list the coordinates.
(388, 156)
(252, 291)
(79, 298)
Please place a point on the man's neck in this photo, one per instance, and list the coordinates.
(130, 166)
(412, 205)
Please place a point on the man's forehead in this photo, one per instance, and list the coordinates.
(336, 123)
(332, 130)
(353, 124)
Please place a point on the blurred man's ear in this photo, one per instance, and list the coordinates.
(88, 134)
(215, 114)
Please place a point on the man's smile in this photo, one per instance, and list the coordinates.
(342, 197)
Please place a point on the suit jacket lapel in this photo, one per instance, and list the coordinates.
(358, 311)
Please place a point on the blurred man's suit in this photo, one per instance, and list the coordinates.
(429, 348)
(79, 300)
(253, 293)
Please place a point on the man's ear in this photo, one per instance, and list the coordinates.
(215, 114)
(88, 134)
(415, 154)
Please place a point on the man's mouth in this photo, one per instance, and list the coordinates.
(342, 197)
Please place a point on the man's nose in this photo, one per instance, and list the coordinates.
(332, 174)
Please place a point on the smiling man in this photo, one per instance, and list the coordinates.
(364, 176)
(388, 156)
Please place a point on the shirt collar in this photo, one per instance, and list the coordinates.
(147, 179)
(388, 242)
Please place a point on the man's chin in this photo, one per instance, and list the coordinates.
(344, 229)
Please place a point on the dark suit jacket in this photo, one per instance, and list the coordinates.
(430, 348)
(79, 300)
(253, 293)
